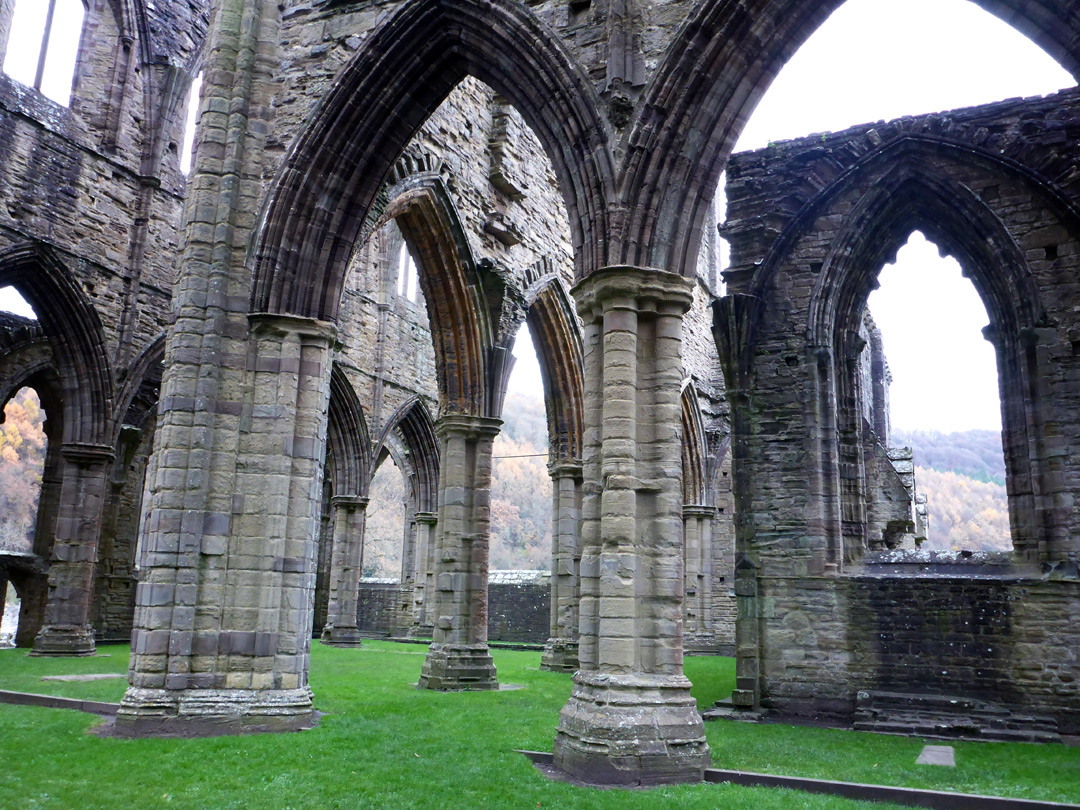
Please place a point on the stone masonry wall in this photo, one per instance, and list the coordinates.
(811, 222)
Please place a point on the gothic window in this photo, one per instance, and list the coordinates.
(43, 44)
(408, 276)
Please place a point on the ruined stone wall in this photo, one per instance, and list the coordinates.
(517, 606)
(114, 580)
(811, 222)
(95, 186)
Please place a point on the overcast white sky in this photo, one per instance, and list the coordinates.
(878, 60)
(872, 60)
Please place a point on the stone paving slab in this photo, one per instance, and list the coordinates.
(937, 755)
(101, 676)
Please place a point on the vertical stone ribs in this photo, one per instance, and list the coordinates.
(630, 718)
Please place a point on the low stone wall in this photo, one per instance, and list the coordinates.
(518, 606)
(925, 627)
(377, 606)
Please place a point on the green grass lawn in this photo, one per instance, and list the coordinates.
(383, 744)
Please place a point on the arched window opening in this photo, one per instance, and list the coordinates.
(520, 482)
(43, 45)
(11, 301)
(22, 464)
(408, 275)
(944, 396)
(384, 532)
(914, 56)
(190, 122)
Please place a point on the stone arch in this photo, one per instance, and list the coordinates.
(30, 364)
(75, 334)
(695, 485)
(25, 362)
(557, 337)
(348, 445)
(714, 74)
(335, 169)
(137, 398)
(413, 422)
(910, 190)
(450, 278)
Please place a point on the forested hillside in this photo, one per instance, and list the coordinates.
(963, 477)
(521, 488)
(974, 453)
(520, 499)
(22, 459)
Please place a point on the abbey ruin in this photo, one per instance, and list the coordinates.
(226, 357)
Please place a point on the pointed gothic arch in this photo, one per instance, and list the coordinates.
(349, 458)
(694, 450)
(75, 335)
(336, 168)
(713, 75)
(557, 337)
(413, 422)
(921, 183)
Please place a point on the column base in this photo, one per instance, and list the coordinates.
(341, 636)
(211, 712)
(631, 729)
(53, 640)
(458, 668)
(560, 655)
(421, 631)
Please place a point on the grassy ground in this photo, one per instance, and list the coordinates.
(383, 744)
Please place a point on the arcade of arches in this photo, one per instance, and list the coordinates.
(225, 360)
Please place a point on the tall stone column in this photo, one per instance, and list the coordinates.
(346, 568)
(459, 658)
(224, 606)
(630, 718)
(697, 533)
(404, 615)
(424, 586)
(561, 650)
(67, 629)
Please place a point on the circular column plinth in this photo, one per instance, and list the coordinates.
(633, 729)
(341, 636)
(209, 712)
(458, 668)
(59, 641)
(560, 655)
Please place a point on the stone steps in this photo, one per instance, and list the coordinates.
(948, 716)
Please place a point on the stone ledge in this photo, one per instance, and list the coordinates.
(53, 702)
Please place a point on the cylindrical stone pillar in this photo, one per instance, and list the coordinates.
(561, 650)
(67, 629)
(458, 658)
(224, 606)
(424, 585)
(346, 568)
(697, 532)
(630, 718)
(404, 615)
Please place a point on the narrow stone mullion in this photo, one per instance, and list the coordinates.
(560, 652)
